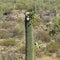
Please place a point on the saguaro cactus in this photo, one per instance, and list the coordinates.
(29, 38)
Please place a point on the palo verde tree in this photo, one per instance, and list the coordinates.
(29, 37)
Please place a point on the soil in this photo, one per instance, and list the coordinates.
(46, 58)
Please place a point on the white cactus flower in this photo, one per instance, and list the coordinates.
(28, 19)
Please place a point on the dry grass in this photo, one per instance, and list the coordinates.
(47, 58)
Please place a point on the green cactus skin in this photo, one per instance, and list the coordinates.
(29, 40)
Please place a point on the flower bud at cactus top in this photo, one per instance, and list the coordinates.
(28, 18)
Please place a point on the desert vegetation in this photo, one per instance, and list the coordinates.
(45, 20)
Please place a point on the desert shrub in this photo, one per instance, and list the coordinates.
(57, 21)
(9, 42)
(5, 24)
(38, 53)
(4, 33)
(17, 28)
(38, 50)
(56, 25)
(53, 47)
(18, 31)
(57, 37)
(36, 20)
(36, 47)
(43, 36)
(22, 47)
(52, 32)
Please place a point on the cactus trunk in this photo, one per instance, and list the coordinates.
(29, 40)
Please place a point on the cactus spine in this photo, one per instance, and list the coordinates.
(29, 40)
